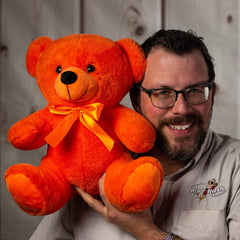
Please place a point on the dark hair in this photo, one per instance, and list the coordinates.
(178, 42)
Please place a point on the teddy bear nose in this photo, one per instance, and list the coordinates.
(68, 77)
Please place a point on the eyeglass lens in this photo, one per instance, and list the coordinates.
(165, 98)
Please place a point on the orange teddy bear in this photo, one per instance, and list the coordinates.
(83, 78)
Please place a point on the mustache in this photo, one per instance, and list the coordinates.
(189, 118)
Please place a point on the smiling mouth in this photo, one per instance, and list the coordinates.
(180, 127)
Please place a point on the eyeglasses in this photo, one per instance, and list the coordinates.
(166, 97)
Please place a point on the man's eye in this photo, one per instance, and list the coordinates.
(163, 92)
(194, 90)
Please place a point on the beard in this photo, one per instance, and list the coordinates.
(185, 148)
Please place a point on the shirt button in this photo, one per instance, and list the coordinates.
(164, 182)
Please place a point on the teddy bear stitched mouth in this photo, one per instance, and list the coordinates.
(69, 94)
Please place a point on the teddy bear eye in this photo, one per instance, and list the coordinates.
(90, 68)
(58, 69)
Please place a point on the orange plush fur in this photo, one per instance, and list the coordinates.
(83, 78)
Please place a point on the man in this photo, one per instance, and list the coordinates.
(200, 195)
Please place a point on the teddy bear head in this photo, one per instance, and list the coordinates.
(81, 69)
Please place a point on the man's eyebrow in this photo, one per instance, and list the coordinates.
(201, 82)
(168, 87)
(161, 86)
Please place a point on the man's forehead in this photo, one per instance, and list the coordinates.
(165, 69)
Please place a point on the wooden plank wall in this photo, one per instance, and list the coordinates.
(22, 21)
(218, 22)
(136, 19)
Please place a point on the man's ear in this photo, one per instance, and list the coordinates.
(215, 88)
(214, 91)
(135, 56)
(34, 51)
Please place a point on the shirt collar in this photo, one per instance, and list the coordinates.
(203, 151)
(205, 146)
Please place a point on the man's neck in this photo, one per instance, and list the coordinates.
(169, 166)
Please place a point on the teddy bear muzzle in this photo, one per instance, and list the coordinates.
(74, 84)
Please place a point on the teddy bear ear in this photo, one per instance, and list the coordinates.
(34, 51)
(135, 56)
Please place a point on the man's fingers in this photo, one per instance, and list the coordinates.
(101, 190)
(106, 208)
(92, 202)
(86, 197)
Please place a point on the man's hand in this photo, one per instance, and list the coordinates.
(139, 224)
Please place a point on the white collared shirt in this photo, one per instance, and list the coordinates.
(202, 200)
(186, 205)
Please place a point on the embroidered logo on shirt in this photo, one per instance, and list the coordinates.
(212, 189)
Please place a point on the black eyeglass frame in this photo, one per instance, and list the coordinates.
(149, 92)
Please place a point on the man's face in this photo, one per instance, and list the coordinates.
(180, 129)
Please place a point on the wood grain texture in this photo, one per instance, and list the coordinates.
(118, 19)
(21, 22)
(136, 19)
(218, 22)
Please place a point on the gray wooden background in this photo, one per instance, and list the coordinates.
(23, 20)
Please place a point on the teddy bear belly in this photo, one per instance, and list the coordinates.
(83, 158)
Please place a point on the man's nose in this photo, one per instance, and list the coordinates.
(181, 106)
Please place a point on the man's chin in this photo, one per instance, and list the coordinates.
(189, 140)
(179, 153)
(180, 149)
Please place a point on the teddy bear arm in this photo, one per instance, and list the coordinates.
(133, 130)
(29, 133)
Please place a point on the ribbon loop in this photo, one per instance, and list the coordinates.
(88, 115)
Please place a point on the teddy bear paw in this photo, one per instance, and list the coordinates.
(25, 193)
(141, 188)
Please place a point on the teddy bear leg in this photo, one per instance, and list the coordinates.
(37, 190)
(133, 185)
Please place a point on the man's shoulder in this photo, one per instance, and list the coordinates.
(226, 141)
(225, 148)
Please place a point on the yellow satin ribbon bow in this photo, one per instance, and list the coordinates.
(88, 115)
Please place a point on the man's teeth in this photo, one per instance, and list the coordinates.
(180, 127)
